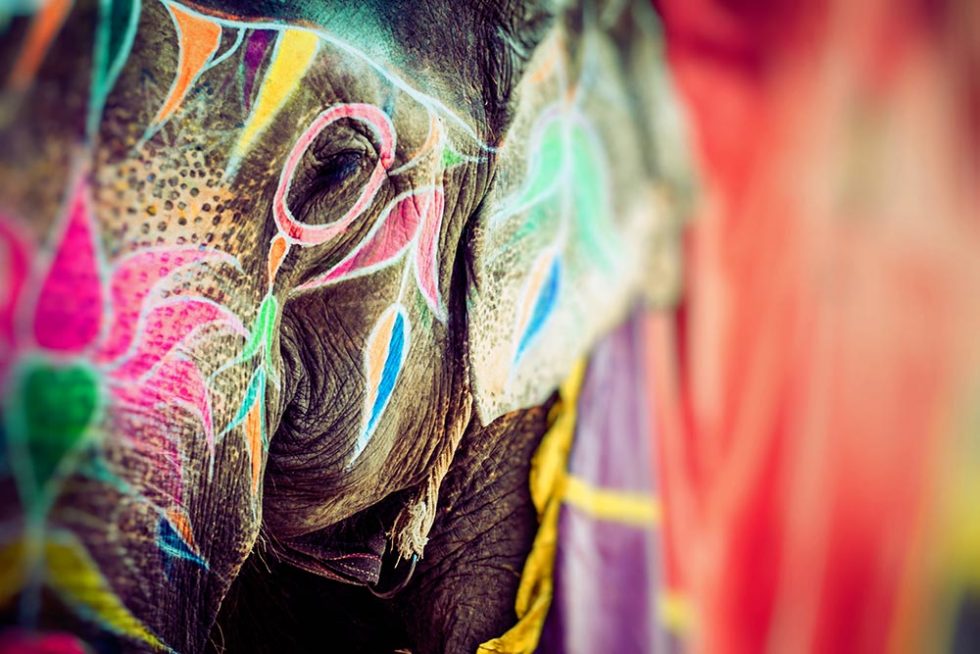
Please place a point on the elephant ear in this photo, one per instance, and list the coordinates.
(575, 222)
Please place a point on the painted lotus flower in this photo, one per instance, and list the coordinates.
(86, 350)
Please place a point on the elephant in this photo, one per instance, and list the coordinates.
(286, 293)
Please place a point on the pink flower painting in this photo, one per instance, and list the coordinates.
(89, 349)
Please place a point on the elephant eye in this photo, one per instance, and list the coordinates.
(330, 183)
(336, 169)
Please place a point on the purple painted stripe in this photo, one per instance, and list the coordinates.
(255, 49)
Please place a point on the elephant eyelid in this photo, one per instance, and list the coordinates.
(332, 182)
(336, 169)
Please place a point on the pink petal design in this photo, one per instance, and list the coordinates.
(179, 381)
(152, 434)
(69, 309)
(14, 264)
(163, 329)
(147, 407)
(387, 240)
(133, 279)
(426, 255)
(28, 641)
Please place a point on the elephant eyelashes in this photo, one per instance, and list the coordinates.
(336, 170)
(330, 185)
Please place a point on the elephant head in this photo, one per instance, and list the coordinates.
(262, 264)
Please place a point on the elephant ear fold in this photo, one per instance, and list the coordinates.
(561, 249)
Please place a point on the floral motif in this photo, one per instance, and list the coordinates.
(99, 349)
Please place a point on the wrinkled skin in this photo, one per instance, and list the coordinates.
(297, 272)
(479, 541)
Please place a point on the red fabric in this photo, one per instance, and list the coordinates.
(810, 383)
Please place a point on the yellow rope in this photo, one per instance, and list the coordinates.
(633, 509)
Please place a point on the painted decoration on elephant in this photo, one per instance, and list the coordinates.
(384, 357)
(553, 269)
(100, 342)
(409, 226)
(45, 26)
(107, 344)
(311, 235)
(538, 301)
(292, 57)
(199, 40)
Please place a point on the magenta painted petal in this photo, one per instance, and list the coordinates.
(255, 51)
(15, 261)
(133, 279)
(141, 417)
(179, 381)
(69, 309)
(384, 243)
(163, 329)
(427, 255)
(176, 385)
(24, 641)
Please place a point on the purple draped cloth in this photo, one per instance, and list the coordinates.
(607, 568)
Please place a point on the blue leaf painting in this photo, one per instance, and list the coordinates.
(384, 355)
(538, 303)
(177, 546)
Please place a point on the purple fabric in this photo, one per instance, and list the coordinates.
(607, 573)
(612, 434)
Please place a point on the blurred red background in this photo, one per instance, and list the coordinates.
(818, 390)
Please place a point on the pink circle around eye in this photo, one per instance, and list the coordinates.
(309, 235)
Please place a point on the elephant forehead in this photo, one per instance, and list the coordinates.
(432, 50)
(195, 94)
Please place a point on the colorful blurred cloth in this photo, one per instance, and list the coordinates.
(592, 579)
(814, 400)
(818, 390)
(607, 570)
